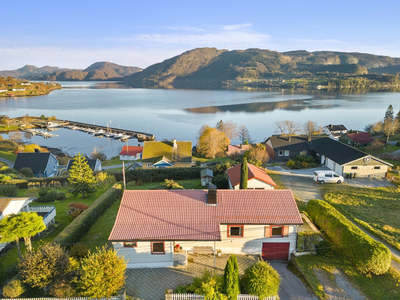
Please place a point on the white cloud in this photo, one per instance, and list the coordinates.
(237, 26)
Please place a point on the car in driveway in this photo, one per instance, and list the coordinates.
(324, 176)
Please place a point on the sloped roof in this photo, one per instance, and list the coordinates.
(184, 214)
(4, 202)
(91, 163)
(254, 172)
(340, 127)
(36, 161)
(131, 150)
(361, 137)
(153, 150)
(206, 172)
(295, 143)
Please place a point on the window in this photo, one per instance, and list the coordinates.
(335, 175)
(148, 164)
(303, 152)
(354, 168)
(157, 248)
(130, 244)
(377, 168)
(280, 153)
(276, 231)
(328, 175)
(235, 230)
(287, 152)
(349, 142)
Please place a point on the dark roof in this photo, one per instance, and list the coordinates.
(206, 172)
(91, 163)
(336, 127)
(296, 143)
(36, 161)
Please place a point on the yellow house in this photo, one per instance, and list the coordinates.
(166, 154)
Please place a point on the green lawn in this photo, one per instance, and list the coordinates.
(376, 209)
(5, 128)
(202, 159)
(374, 287)
(8, 155)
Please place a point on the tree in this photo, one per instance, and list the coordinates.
(98, 154)
(398, 116)
(377, 127)
(45, 265)
(287, 127)
(229, 128)
(262, 280)
(390, 127)
(22, 225)
(244, 134)
(389, 113)
(258, 155)
(244, 174)
(212, 142)
(31, 148)
(81, 177)
(231, 285)
(102, 274)
(310, 128)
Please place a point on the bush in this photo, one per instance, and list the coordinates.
(367, 255)
(43, 192)
(307, 241)
(305, 164)
(79, 250)
(182, 289)
(172, 185)
(13, 289)
(27, 172)
(75, 209)
(156, 175)
(74, 231)
(131, 183)
(324, 248)
(221, 181)
(261, 280)
(8, 190)
(290, 163)
(104, 179)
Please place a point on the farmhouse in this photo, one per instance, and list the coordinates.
(151, 224)
(257, 178)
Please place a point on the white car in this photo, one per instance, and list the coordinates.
(327, 177)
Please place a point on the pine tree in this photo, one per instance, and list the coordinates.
(231, 285)
(244, 170)
(81, 177)
(389, 112)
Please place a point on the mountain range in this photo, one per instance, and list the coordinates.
(97, 71)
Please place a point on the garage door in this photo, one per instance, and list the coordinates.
(275, 251)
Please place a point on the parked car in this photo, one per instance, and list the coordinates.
(324, 176)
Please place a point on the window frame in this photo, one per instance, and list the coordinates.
(377, 167)
(288, 153)
(280, 152)
(354, 168)
(235, 236)
(276, 226)
(157, 253)
(132, 246)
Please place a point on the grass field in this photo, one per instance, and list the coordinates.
(8, 155)
(376, 209)
(374, 287)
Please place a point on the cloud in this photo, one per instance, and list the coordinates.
(236, 27)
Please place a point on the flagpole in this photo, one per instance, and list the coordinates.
(123, 175)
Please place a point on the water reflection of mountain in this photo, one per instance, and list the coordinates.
(292, 105)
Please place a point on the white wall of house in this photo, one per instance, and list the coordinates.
(367, 171)
(128, 157)
(333, 166)
(141, 256)
(15, 207)
(254, 184)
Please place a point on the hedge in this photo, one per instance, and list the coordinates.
(23, 183)
(74, 231)
(157, 175)
(367, 255)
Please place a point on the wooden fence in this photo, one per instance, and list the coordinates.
(200, 297)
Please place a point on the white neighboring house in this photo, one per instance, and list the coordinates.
(131, 153)
(257, 178)
(156, 228)
(10, 206)
(334, 131)
(2, 91)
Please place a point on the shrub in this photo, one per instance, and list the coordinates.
(131, 183)
(8, 190)
(305, 164)
(290, 163)
(155, 175)
(262, 280)
(367, 255)
(27, 172)
(62, 289)
(104, 179)
(324, 248)
(221, 181)
(207, 285)
(79, 250)
(307, 241)
(172, 185)
(231, 286)
(13, 289)
(78, 227)
(182, 289)
(42, 192)
(75, 209)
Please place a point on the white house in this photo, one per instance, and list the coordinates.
(131, 153)
(257, 178)
(152, 223)
(334, 131)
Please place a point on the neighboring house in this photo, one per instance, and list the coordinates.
(337, 156)
(206, 176)
(42, 164)
(334, 131)
(166, 154)
(10, 206)
(357, 139)
(150, 223)
(131, 153)
(237, 149)
(257, 178)
(94, 164)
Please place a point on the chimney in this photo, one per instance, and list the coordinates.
(37, 151)
(212, 198)
(175, 145)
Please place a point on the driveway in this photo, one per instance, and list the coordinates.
(151, 284)
(7, 162)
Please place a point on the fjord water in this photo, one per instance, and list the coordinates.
(179, 114)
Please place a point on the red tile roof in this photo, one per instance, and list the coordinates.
(254, 172)
(131, 150)
(239, 149)
(184, 214)
(361, 137)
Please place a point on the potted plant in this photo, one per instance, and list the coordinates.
(219, 253)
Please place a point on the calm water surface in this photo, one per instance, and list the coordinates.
(179, 114)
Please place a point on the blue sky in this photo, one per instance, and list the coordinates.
(75, 34)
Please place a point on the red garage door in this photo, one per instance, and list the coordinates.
(275, 251)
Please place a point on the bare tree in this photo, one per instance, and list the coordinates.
(390, 126)
(244, 134)
(310, 128)
(229, 128)
(377, 127)
(288, 128)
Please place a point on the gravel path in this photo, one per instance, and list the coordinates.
(8, 162)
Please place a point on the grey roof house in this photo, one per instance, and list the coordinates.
(41, 164)
(94, 164)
